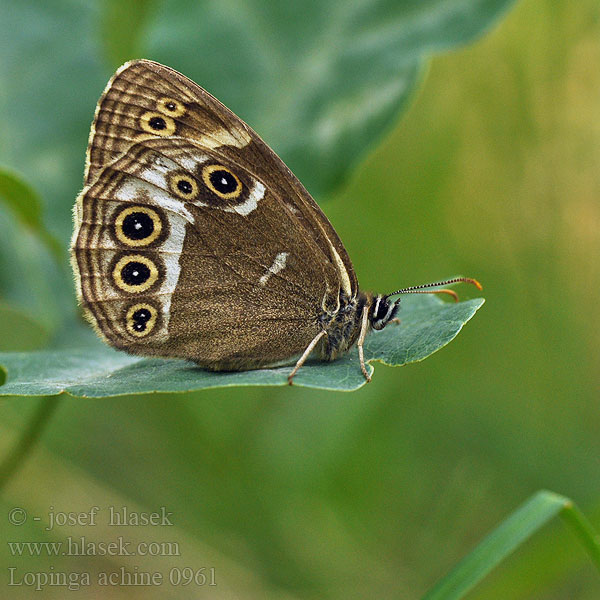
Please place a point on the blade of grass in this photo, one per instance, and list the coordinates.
(583, 530)
(508, 536)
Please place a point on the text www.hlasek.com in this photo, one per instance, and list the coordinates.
(80, 546)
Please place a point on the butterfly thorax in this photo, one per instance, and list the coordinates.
(343, 325)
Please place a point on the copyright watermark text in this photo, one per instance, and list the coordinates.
(60, 522)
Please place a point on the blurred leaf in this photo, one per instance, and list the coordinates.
(50, 79)
(320, 81)
(25, 203)
(19, 332)
(95, 371)
(32, 283)
(21, 198)
(508, 536)
(123, 23)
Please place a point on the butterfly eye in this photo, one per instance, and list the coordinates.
(141, 319)
(183, 186)
(135, 273)
(138, 226)
(221, 181)
(171, 107)
(157, 124)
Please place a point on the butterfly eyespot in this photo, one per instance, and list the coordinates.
(183, 186)
(138, 226)
(140, 319)
(135, 273)
(222, 181)
(171, 107)
(157, 124)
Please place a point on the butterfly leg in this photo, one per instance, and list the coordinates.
(364, 326)
(305, 355)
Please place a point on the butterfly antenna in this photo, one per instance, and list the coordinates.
(424, 288)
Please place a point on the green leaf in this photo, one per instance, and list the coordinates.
(32, 282)
(35, 280)
(19, 332)
(508, 536)
(50, 79)
(92, 369)
(26, 205)
(123, 23)
(322, 81)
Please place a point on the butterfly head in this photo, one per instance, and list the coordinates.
(384, 311)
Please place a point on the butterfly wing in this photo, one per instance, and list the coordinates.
(169, 267)
(191, 228)
(143, 90)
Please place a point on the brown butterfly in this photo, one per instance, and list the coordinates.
(194, 240)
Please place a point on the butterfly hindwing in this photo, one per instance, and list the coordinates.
(205, 265)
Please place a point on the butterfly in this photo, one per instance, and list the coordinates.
(193, 239)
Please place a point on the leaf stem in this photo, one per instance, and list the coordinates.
(34, 429)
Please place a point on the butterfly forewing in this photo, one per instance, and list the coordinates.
(144, 90)
(138, 103)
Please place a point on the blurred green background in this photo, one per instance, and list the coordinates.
(289, 493)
